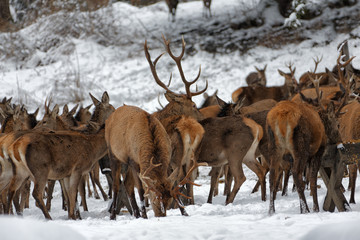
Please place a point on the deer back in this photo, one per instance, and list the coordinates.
(58, 154)
(223, 135)
(287, 117)
(349, 121)
(328, 92)
(132, 133)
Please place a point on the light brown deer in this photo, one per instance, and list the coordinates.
(299, 133)
(64, 155)
(138, 139)
(257, 78)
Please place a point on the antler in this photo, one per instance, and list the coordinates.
(317, 61)
(177, 60)
(147, 180)
(316, 83)
(292, 73)
(175, 192)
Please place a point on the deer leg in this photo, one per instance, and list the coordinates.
(214, 178)
(71, 185)
(129, 185)
(25, 196)
(314, 169)
(39, 186)
(239, 177)
(96, 178)
(96, 194)
(81, 189)
(110, 182)
(64, 195)
(49, 193)
(286, 173)
(274, 157)
(228, 180)
(116, 172)
(216, 186)
(260, 171)
(352, 181)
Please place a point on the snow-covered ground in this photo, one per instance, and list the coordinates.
(67, 56)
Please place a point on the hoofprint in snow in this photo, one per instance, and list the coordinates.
(121, 69)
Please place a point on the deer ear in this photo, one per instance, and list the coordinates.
(95, 101)
(65, 109)
(36, 112)
(281, 73)
(73, 110)
(170, 96)
(88, 107)
(55, 110)
(105, 98)
(265, 67)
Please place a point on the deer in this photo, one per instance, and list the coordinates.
(185, 132)
(5, 104)
(252, 94)
(257, 112)
(139, 140)
(172, 5)
(16, 120)
(299, 133)
(325, 79)
(257, 78)
(64, 155)
(207, 8)
(232, 140)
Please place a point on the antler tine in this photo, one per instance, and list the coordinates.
(177, 60)
(176, 190)
(317, 61)
(153, 68)
(342, 65)
(316, 83)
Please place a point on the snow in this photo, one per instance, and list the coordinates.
(61, 52)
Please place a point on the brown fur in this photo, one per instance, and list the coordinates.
(350, 130)
(228, 140)
(295, 129)
(257, 78)
(134, 135)
(62, 155)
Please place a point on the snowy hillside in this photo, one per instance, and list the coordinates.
(68, 55)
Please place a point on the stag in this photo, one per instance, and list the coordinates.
(325, 79)
(138, 139)
(185, 132)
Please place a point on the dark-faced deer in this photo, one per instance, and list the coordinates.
(207, 8)
(172, 5)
